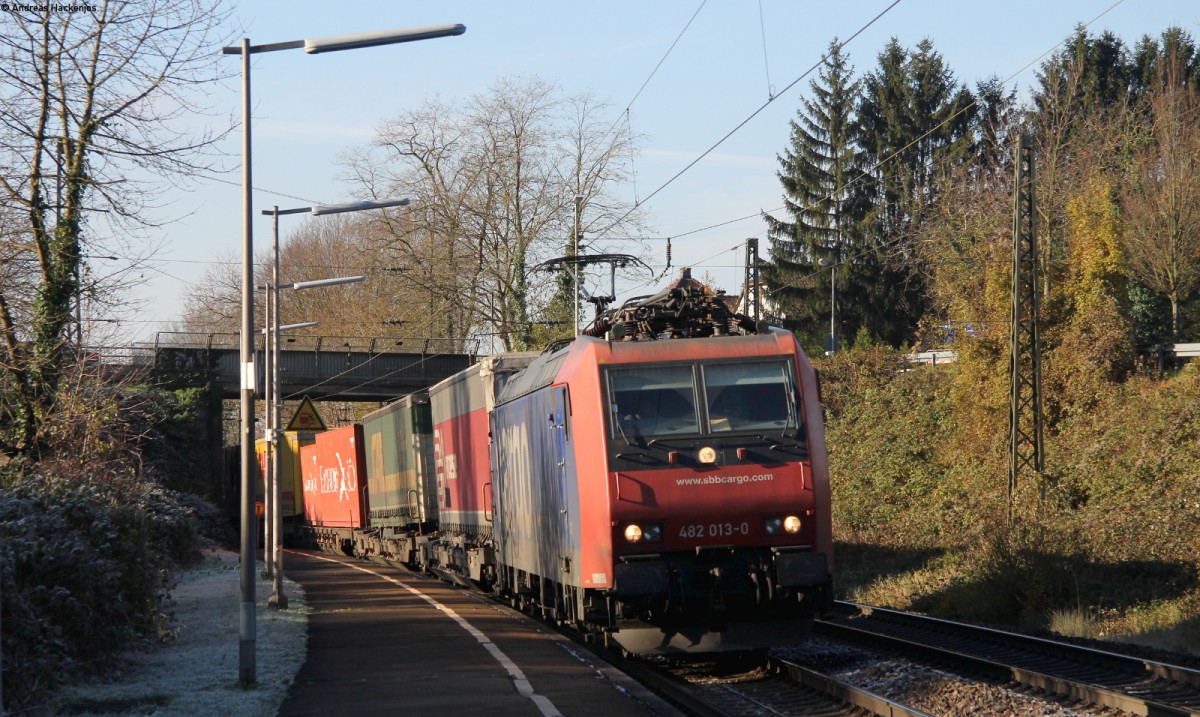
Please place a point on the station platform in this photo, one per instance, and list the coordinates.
(383, 641)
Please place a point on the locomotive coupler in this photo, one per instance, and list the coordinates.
(762, 583)
(718, 618)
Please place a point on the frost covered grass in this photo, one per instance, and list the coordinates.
(196, 671)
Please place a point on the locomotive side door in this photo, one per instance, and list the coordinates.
(564, 470)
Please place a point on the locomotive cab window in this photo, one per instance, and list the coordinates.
(653, 401)
(750, 397)
(703, 399)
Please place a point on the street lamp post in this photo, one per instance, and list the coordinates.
(271, 497)
(832, 303)
(246, 633)
(271, 488)
(575, 264)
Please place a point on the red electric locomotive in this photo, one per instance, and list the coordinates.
(664, 482)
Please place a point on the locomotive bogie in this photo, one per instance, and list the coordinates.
(459, 561)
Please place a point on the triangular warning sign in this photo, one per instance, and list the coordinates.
(306, 418)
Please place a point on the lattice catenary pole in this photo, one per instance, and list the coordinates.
(1025, 382)
(750, 303)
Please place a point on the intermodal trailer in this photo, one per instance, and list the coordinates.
(398, 441)
(460, 406)
(291, 486)
(335, 488)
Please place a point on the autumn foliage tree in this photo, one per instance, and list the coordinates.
(1161, 198)
(1094, 348)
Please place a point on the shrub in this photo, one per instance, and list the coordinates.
(84, 567)
(1014, 574)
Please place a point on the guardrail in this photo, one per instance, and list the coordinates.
(933, 358)
(1173, 354)
(1181, 350)
(1164, 354)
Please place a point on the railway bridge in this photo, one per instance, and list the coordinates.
(320, 367)
(352, 369)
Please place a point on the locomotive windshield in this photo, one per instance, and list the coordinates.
(654, 401)
(749, 397)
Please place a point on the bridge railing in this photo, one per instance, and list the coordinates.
(291, 342)
(137, 354)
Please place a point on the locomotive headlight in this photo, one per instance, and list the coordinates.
(707, 454)
(777, 525)
(643, 533)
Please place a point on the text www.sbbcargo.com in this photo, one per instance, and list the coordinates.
(724, 480)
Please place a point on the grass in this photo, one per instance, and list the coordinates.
(948, 584)
(1074, 623)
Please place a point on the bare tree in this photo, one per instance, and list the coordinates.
(493, 185)
(90, 99)
(1162, 197)
(214, 302)
(344, 245)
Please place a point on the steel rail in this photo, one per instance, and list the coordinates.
(844, 691)
(1082, 673)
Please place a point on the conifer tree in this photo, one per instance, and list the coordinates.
(916, 121)
(818, 173)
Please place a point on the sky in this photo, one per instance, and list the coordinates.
(720, 63)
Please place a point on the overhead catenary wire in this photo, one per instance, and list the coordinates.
(875, 167)
(262, 190)
(625, 113)
(867, 172)
(758, 111)
(626, 116)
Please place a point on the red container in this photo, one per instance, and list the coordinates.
(335, 485)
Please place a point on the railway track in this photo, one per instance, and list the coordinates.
(759, 684)
(1132, 685)
(764, 686)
